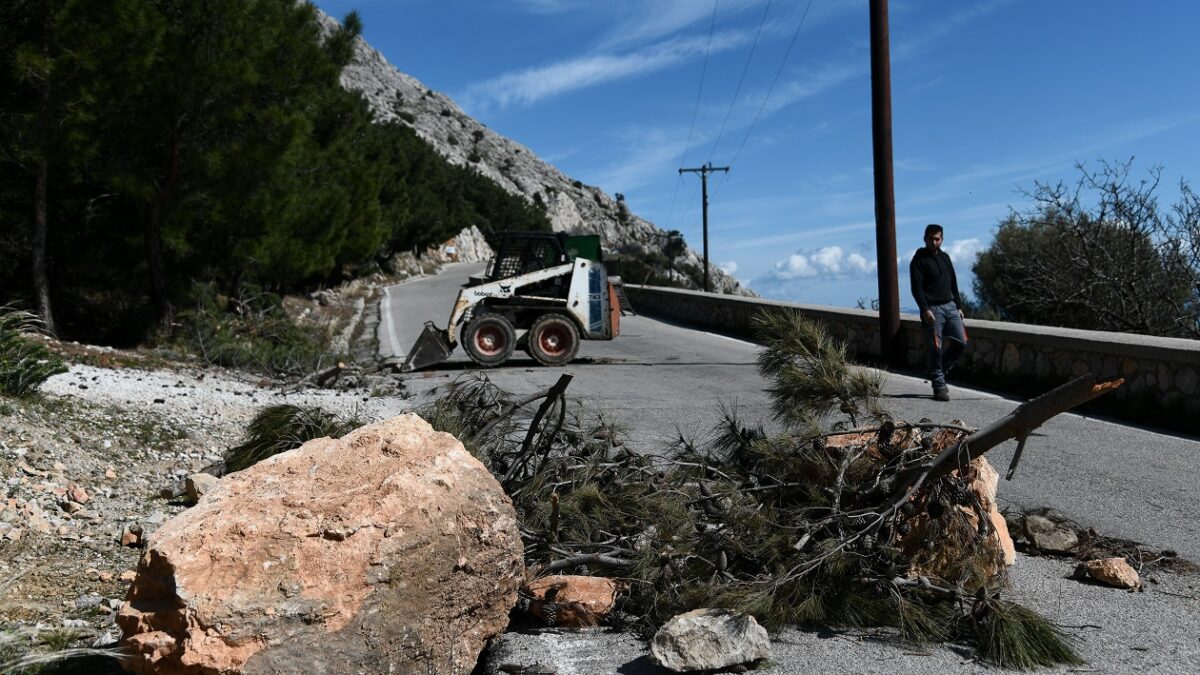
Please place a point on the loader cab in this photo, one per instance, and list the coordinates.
(520, 253)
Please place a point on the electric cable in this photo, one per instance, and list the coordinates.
(770, 89)
(737, 90)
(703, 69)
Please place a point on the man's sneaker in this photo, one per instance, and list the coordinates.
(941, 393)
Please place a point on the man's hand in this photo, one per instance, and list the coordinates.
(927, 317)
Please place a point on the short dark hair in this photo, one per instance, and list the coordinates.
(933, 228)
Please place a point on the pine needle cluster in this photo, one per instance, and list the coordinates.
(790, 527)
(280, 428)
(24, 363)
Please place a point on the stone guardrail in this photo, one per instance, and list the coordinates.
(1162, 375)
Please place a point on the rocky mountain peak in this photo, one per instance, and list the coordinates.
(570, 205)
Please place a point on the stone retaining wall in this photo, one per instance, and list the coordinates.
(1161, 374)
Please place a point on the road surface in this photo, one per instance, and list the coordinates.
(661, 379)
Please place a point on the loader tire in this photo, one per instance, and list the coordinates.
(553, 340)
(489, 339)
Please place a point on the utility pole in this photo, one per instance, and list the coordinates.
(885, 200)
(704, 171)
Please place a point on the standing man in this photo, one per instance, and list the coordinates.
(935, 288)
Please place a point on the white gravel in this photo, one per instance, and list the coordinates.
(201, 397)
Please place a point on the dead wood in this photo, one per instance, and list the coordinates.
(1018, 424)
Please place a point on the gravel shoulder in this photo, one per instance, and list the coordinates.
(87, 458)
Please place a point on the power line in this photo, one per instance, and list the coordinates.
(737, 90)
(695, 110)
(775, 81)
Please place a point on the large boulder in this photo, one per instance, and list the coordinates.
(390, 550)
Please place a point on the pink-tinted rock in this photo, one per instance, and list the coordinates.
(1114, 572)
(983, 480)
(389, 550)
(573, 601)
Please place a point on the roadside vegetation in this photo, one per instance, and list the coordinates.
(149, 151)
(1101, 253)
(252, 332)
(25, 363)
(280, 428)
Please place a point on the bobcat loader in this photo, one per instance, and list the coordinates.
(554, 286)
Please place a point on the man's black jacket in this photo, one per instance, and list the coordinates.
(933, 279)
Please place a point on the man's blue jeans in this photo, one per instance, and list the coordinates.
(946, 340)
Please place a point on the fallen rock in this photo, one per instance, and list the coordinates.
(77, 494)
(708, 639)
(984, 480)
(200, 484)
(1049, 536)
(1116, 572)
(391, 549)
(131, 535)
(573, 601)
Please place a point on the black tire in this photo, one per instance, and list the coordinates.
(489, 339)
(553, 340)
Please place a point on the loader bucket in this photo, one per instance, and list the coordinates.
(433, 346)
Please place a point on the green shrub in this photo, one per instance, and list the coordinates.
(407, 116)
(474, 157)
(477, 135)
(251, 332)
(24, 364)
(280, 428)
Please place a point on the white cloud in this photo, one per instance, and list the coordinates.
(830, 261)
(963, 251)
(531, 85)
(730, 267)
(642, 21)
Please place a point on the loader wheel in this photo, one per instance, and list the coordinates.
(553, 340)
(489, 339)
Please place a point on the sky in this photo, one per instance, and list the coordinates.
(988, 99)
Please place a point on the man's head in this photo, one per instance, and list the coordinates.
(933, 236)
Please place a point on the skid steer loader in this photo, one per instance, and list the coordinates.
(555, 286)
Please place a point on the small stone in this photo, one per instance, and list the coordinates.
(1116, 572)
(88, 601)
(39, 524)
(77, 494)
(105, 575)
(1049, 536)
(200, 484)
(91, 573)
(127, 575)
(131, 535)
(709, 639)
(110, 474)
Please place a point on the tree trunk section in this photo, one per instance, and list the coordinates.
(152, 237)
(41, 278)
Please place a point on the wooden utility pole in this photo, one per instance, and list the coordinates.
(885, 200)
(704, 171)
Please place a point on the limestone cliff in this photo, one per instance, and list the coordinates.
(570, 205)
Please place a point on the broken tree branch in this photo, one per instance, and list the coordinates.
(1017, 424)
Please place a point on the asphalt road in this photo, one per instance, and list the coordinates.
(661, 380)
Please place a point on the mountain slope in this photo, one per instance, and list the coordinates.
(570, 205)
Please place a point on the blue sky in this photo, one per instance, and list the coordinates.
(988, 97)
